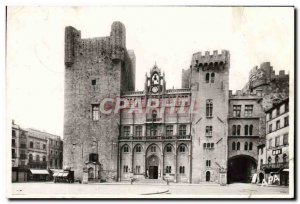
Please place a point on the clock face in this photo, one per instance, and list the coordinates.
(154, 89)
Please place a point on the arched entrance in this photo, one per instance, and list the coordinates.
(207, 176)
(153, 166)
(241, 168)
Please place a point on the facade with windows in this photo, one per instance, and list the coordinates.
(19, 153)
(276, 161)
(218, 134)
(245, 121)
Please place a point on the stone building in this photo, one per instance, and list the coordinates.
(276, 161)
(246, 121)
(199, 133)
(54, 152)
(19, 153)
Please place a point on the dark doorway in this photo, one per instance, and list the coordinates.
(207, 176)
(153, 172)
(261, 177)
(241, 168)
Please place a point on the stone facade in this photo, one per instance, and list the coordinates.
(106, 135)
(95, 69)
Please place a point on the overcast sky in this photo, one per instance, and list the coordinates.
(167, 35)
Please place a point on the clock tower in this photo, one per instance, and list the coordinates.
(155, 83)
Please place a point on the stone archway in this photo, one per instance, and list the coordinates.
(241, 168)
(153, 166)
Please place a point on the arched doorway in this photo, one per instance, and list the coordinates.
(91, 173)
(153, 166)
(207, 176)
(241, 168)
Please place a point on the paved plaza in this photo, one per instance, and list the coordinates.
(122, 190)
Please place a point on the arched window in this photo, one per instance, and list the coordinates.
(30, 157)
(238, 130)
(207, 77)
(126, 148)
(246, 146)
(238, 146)
(251, 130)
(138, 148)
(233, 146)
(181, 148)
(246, 129)
(269, 160)
(37, 158)
(234, 130)
(276, 159)
(212, 80)
(250, 146)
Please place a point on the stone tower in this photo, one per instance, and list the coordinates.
(96, 69)
(209, 88)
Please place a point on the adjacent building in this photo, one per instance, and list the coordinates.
(34, 154)
(19, 153)
(276, 161)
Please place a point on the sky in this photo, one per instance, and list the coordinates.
(165, 35)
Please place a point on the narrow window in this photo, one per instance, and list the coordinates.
(269, 160)
(286, 121)
(246, 129)
(138, 131)
(181, 148)
(207, 77)
(208, 163)
(250, 146)
(246, 146)
(208, 131)
(251, 130)
(233, 146)
(285, 139)
(95, 112)
(286, 107)
(169, 148)
(181, 169)
(182, 130)
(238, 130)
(238, 146)
(126, 148)
(234, 130)
(169, 130)
(209, 108)
(277, 124)
(126, 131)
(212, 80)
(270, 128)
(276, 159)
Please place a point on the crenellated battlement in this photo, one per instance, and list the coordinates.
(247, 94)
(109, 47)
(210, 59)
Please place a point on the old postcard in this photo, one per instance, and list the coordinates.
(150, 102)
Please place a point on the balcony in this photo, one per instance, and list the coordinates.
(153, 120)
(155, 138)
(284, 165)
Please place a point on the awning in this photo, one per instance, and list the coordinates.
(60, 173)
(39, 171)
(55, 174)
(65, 174)
(286, 170)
